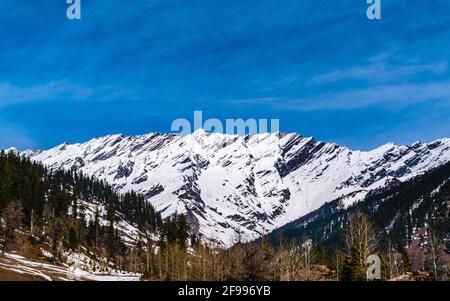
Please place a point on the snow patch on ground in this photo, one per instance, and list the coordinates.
(76, 269)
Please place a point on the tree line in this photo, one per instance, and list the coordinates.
(397, 215)
(49, 208)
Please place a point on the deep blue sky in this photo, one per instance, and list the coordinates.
(132, 67)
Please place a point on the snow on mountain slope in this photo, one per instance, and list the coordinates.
(228, 184)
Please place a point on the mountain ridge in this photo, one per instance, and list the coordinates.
(230, 184)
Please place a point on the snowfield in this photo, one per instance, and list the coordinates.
(228, 184)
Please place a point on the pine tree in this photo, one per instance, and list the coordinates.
(321, 255)
(72, 239)
(347, 270)
(175, 230)
(12, 216)
(406, 261)
(55, 233)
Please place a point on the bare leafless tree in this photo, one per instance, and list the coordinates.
(289, 261)
(360, 242)
(55, 233)
(435, 253)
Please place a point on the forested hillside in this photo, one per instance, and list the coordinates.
(65, 212)
(63, 215)
(409, 220)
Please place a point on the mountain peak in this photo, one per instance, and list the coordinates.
(230, 183)
(11, 150)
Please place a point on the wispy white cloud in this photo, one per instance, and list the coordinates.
(390, 96)
(379, 72)
(60, 90)
(386, 95)
(13, 94)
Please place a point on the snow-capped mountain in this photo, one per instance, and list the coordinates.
(228, 184)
